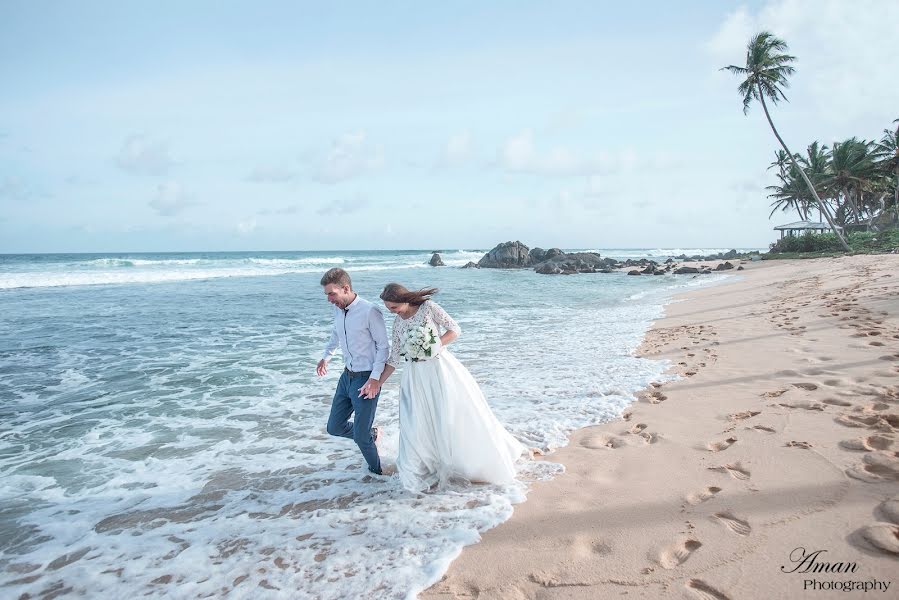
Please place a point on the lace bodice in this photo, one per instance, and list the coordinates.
(431, 312)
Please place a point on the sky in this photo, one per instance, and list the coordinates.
(226, 125)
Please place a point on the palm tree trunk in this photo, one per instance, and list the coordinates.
(811, 187)
(852, 205)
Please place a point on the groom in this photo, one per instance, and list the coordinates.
(360, 333)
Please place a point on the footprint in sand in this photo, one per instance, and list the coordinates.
(746, 414)
(734, 523)
(703, 495)
(719, 446)
(881, 422)
(868, 444)
(677, 554)
(774, 394)
(655, 397)
(890, 509)
(805, 386)
(883, 536)
(764, 428)
(835, 402)
(795, 444)
(735, 470)
(649, 437)
(876, 468)
(639, 427)
(805, 405)
(704, 591)
(602, 441)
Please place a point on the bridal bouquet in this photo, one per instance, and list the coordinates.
(420, 343)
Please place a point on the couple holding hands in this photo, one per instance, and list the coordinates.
(446, 429)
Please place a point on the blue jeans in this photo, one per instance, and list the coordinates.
(347, 401)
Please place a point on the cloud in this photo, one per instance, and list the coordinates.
(458, 150)
(291, 209)
(142, 156)
(843, 50)
(17, 189)
(171, 199)
(519, 154)
(247, 226)
(351, 156)
(343, 207)
(272, 175)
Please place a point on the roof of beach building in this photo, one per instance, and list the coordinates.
(804, 225)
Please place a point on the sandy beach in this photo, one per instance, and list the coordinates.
(776, 440)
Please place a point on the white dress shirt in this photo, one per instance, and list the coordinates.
(360, 333)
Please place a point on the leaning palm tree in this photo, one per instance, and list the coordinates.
(766, 72)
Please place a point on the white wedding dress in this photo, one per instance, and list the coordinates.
(447, 430)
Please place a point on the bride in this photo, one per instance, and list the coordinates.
(446, 427)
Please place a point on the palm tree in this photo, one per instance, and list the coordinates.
(791, 194)
(815, 164)
(887, 151)
(852, 167)
(781, 161)
(766, 72)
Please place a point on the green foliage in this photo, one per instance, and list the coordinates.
(861, 242)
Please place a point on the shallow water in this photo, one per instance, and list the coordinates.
(162, 431)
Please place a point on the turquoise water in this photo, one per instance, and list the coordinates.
(162, 431)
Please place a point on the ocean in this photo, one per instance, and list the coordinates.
(162, 429)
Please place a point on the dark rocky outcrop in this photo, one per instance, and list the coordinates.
(686, 270)
(555, 261)
(536, 255)
(515, 255)
(436, 261)
(508, 255)
(470, 265)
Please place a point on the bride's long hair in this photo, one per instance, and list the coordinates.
(394, 292)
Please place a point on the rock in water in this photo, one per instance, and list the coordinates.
(508, 255)
(436, 261)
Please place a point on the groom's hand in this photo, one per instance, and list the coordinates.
(322, 368)
(371, 389)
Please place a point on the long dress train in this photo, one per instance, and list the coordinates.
(447, 429)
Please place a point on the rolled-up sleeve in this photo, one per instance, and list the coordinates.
(378, 331)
